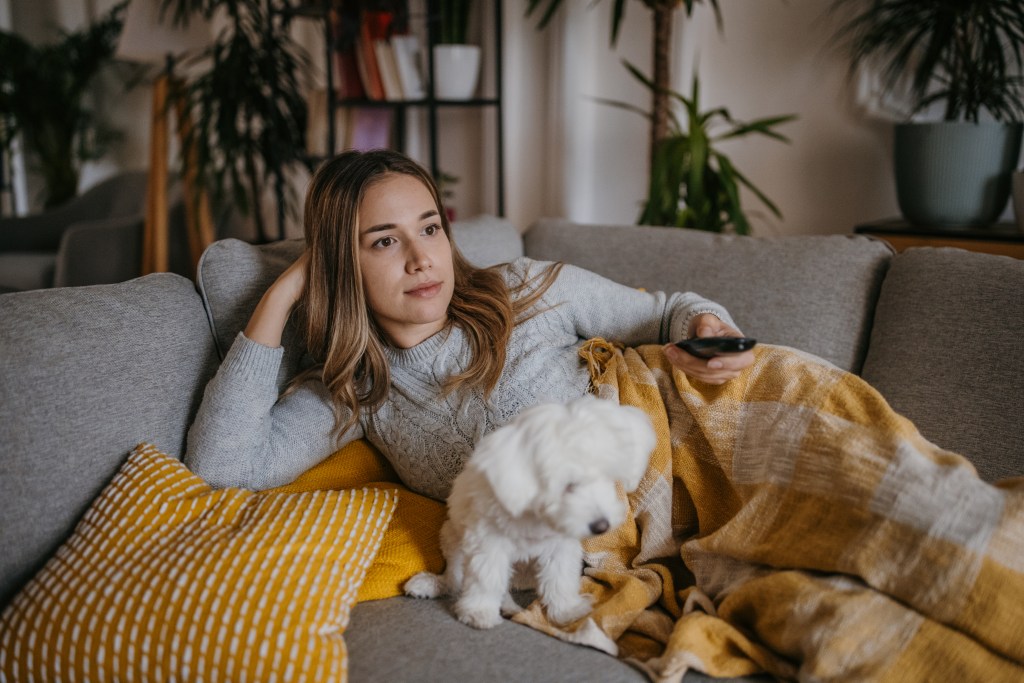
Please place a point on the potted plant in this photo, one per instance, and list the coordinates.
(43, 100)
(693, 184)
(966, 56)
(246, 98)
(456, 63)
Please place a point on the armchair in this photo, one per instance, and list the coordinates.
(96, 238)
(29, 244)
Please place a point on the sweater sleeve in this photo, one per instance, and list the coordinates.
(596, 306)
(246, 435)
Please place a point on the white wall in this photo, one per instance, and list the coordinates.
(567, 155)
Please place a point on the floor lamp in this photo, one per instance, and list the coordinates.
(147, 39)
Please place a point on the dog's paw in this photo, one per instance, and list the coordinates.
(509, 607)
(477, 616)
(424, 585)
(568, 611)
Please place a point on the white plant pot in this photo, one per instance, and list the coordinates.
(456, 71)
(1018, 198)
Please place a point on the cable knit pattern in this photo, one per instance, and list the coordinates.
(244, 437)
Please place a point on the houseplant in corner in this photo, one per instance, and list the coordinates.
(247, 100)
(693, 184)
(44, 100)
(456, 63)
(966, 56)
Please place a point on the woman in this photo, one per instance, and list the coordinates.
(416, 349)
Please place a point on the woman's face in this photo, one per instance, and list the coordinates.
(406, 259)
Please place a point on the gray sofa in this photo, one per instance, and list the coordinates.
(87, 373)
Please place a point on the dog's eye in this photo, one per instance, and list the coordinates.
(569, 488)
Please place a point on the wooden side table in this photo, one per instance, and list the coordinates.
(1003, 239)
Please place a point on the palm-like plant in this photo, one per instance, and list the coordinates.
(43, 100)
(248, 106)
(693, 184)
(966, 53)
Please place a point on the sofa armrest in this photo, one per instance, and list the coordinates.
(100, 252)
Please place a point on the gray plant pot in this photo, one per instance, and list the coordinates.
(954, 174)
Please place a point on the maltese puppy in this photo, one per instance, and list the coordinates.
(530, 492)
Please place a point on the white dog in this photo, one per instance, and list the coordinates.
(531, 491)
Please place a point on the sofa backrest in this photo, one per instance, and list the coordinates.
(815, 293)
(85, 375)
(947, 351)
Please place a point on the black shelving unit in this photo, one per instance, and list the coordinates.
(430, 103)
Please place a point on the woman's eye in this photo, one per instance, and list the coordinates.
(432, 229)
(384, 242)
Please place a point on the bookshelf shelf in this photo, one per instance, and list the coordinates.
(427, 25)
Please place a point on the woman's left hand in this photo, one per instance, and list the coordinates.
(717, 370)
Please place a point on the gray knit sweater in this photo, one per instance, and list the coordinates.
(245, 435)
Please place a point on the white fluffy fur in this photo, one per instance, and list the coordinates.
(531, 491)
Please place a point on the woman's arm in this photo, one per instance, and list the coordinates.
(267, 322)
(244, 434)
(598, 307)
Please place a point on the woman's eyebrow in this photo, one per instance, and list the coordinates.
(390, 226)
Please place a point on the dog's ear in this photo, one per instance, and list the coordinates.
(629, 436)
(506, 460)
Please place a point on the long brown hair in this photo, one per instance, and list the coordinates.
(337, 324)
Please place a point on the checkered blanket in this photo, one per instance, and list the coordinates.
(791, 522)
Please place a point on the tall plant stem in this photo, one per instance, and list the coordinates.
(662, 17)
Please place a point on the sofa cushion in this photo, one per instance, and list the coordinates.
(947, 351)
(815, 293)
(233, 275)
(404, 640)
(70, 411)
(231, 570)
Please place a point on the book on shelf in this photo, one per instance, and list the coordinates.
(373, 26)
(345, 75)
(406, 51)
(388, 70)
(361, 128)
(369, 128)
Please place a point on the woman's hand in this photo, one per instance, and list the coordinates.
(717, 370)
(268, 320)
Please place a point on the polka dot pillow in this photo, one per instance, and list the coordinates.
(167, 579)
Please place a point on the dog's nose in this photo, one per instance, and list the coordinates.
(599, 526)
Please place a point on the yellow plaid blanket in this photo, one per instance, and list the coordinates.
(792, 523)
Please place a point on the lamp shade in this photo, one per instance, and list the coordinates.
(147, 39)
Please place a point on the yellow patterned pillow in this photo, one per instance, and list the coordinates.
(166, 579)
(411, 543)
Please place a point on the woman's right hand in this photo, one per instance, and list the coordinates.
(293, 280)
(268, 319)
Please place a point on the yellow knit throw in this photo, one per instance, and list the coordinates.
(791, 522)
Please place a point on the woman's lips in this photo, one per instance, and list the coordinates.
(427, 289)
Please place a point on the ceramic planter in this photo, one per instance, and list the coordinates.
(954, 174)
(456, 71)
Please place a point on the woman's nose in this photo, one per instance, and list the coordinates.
(417, 259)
